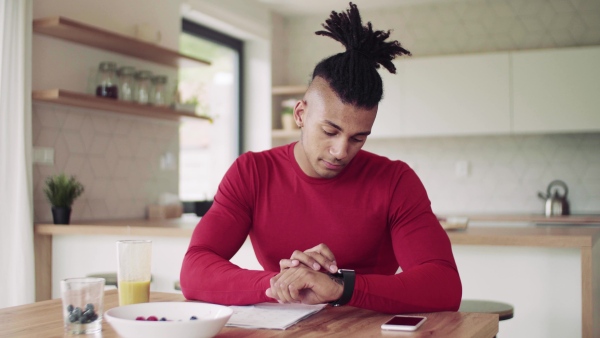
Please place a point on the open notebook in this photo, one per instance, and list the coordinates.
(271, 315)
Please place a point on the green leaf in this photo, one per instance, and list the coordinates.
(61, 190)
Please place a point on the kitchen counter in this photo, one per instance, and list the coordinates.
(174, 227)
(533, 218)
(534, 235)
(43, 233)
(554, 236)
(585, 239)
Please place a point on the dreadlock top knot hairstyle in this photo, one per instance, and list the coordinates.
(353, 74)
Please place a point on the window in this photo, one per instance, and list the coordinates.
(208, 149)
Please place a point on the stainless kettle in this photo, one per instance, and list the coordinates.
(556, 204)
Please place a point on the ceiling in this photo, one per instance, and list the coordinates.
(308, 7)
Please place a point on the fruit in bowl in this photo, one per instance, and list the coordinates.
(209, 319)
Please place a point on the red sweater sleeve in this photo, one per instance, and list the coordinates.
(429, 281)
(206, 273)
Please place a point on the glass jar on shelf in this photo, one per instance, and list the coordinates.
(159, 90)
(126, 83)
(143, 86)
(106, 80)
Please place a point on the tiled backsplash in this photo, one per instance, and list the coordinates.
(505, 172)
(452, 27)
(116, 157)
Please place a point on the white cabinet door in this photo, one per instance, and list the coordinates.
(556, 90)
(390, 119)
(457, 95)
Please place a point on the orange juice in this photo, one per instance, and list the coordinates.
(133, 292)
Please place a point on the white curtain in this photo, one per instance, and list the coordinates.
(17, 280)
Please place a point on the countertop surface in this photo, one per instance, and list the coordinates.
(532, 218)
(559, 235)
(174, 227)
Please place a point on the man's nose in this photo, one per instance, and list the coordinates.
(339, 149)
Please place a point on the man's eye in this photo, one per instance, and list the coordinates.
(328, 133)
(357, 140)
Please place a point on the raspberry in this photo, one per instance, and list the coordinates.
(140, 318)
(152, 319)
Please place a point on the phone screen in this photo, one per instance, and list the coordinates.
(408, 323)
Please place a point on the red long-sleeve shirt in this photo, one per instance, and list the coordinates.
(374, 216)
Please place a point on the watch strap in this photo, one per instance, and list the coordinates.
(348, 277)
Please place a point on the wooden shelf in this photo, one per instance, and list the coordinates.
(69, 98)
(74, 31)
(281, 133)
(288, 90)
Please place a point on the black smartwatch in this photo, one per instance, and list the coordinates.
(347, 277)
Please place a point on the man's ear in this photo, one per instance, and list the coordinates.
(299, 111)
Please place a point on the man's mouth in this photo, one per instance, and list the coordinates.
(332, 166)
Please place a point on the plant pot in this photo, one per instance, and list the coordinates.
(61, 215)
(288, 122)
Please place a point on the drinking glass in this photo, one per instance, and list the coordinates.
(133, 271)
(83, 304)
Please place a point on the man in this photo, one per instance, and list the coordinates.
(322, 203)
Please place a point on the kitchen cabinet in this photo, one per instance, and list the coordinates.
(448, 95)
(77, 32)
(543, 91)
(556, 90)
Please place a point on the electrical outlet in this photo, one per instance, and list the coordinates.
(43, 155)
(461, 169)
(168, 162)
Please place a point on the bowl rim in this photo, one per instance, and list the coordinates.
(224, 312)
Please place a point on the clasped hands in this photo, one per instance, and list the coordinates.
(305, 278)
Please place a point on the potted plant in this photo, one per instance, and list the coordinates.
(61, 192)
(287, 114)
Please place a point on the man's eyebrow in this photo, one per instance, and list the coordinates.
(363, 133)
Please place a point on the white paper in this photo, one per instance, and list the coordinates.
(271, 315)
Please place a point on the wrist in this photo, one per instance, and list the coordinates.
(347, 278)
(338, 289)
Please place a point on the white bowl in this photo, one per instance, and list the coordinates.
(211, 319)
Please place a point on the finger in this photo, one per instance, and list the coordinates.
(324, 256)
(294, 293)
(324, 250)
(280, 287)
(288, 263)
(305, 259)
(271, 294)
(323, 261)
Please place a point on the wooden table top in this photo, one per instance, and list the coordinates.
(44, 319)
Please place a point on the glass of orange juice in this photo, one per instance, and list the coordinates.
(133, 271)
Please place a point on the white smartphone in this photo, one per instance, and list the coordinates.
(404, 323)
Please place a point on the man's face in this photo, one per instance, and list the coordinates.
(332, 132)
